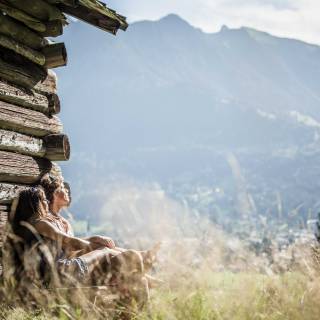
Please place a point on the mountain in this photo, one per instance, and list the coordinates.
(165, 102)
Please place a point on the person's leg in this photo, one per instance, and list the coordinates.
(99, 258)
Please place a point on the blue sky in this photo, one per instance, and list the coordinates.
(289, 18)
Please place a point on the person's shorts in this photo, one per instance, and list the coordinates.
(73, 268)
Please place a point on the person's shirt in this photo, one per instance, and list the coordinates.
(60, 223)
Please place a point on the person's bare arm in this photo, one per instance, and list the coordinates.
(102, 241)
(67, 242)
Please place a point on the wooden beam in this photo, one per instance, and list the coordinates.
(46, 103)
(53, 147)
(38, 9)
(57, 147)
(21, 143)
(18, 70)
(21, 33)
(27, 121)
(70, 3)
(19, 168)
(55, 55)
(54, 28)
(8, 192)
(21, 16)
(19, 75)
(49, 84)
(97, 15)
(33, 55)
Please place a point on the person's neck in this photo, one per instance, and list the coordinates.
(55, 210)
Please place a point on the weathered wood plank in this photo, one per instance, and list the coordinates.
(55, 55)
(21, 33)
(32, 55)
(53, 28)
(98, 15)
(71, 3)
(53, 147)
(21, 16)
(45, 103)
(22, 169)
(21, 143)
(19, 70)
(18, 168)
(38, 9)
(27, 121)
(49, 84)
(8, 192)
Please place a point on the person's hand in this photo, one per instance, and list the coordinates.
(102, 241)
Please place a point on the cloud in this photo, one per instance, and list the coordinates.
(287, 18)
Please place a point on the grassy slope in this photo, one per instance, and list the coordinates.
(223, 295)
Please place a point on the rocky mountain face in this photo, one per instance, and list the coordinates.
(228, 122)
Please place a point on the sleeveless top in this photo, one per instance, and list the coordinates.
(62, 225)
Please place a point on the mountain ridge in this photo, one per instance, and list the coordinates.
(165, 93)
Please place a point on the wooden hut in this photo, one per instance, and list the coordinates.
(31, 134)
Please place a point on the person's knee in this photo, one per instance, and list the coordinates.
(129, 262)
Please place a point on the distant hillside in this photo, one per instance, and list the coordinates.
(166, 102)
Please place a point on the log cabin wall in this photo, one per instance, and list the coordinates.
(31, 134)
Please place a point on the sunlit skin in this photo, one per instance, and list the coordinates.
(61, 200)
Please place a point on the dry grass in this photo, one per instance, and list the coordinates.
(201, 282)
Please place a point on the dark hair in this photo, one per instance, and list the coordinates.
(50, 184)
(29, 204)
(24, 236)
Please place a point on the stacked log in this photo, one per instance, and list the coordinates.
(31, 134)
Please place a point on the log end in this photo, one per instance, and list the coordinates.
(54, 103)
(56, 55)
(57, 147)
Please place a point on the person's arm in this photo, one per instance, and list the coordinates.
(102, 241)
(47, 230)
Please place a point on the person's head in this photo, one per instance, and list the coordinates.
(31, 203)
(55, 190)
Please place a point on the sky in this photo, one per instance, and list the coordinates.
(297, 19)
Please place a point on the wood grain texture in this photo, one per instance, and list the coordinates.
(53, 147)
(32, 55)
(21, 16)
(28, 121)
(19, 70)
(19, 168)
(48, 84)
(55, 55)
(39, 9)
(19, 32)
(8, 192)
(57, 147)
(46, 103)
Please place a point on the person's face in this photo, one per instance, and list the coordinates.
(61, 196)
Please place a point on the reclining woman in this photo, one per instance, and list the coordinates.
(58, 197)
(73, 257)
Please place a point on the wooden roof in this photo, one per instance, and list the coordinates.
(96, 13)
(34, 13)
